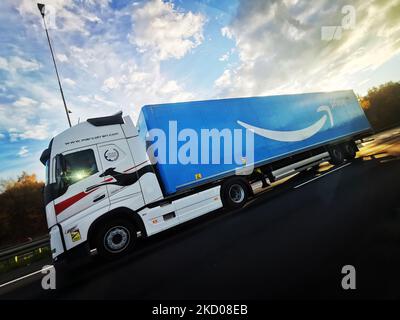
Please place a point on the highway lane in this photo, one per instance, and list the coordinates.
(286, 243)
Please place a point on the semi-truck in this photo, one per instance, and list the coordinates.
(110, 182)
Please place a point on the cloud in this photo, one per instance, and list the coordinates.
(168, 33)
(110, 84)
(14, 64)
(84, 99)
(25, 102)
(104, 73)
(23, 152)
(2, 136)
(92, 18)
(24, 123)
(98, 101)
(126, 80)
(3, 64)
(37, 112)
(104, 101)
(38, 131)
(62, 57)
(225, 80)
(280, 48)
(226, 32)
(19, 63)
(61, 14)
(170, 87)
(68, 81)
(224, 57)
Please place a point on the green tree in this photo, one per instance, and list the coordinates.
(21, 212)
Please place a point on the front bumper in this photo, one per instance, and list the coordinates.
(73, 256)
(56, 242)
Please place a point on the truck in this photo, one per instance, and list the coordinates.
(110, 182)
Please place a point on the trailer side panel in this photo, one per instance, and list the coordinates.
(282, 125)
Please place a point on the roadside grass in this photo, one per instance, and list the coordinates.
(23, 260)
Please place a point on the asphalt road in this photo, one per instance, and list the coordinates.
(289, 242)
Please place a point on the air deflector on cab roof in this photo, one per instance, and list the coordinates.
(46, 153)
(106, 121)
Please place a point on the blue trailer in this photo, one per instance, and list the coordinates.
(284, 126)
(109, 181)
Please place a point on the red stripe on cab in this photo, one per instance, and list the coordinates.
(61, 206)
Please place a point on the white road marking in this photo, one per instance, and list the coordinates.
(324, 174)
(24, 277)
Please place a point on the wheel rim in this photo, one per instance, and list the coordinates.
(117, 239)
(236, 193)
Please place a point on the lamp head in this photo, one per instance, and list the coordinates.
(41, 8)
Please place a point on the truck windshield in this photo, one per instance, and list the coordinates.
(78, 165)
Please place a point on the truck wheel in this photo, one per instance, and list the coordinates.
(337, 155)
(115, 238)
(349, 150)
(234, 193)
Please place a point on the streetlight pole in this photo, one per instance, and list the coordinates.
(42, 12)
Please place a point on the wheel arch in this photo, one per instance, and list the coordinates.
(121, 212)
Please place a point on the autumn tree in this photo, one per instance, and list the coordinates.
(21, 211)
(382, 105)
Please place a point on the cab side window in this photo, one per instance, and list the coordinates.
(79, 165)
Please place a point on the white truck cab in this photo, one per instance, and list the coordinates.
(102, 191)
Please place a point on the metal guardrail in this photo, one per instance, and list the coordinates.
(24, 248)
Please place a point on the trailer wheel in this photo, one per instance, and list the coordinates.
(337, 155)
(115, 238)
(349, 150)
(234, 193)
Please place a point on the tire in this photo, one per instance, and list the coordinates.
(115, 238)
(349, 150)
(234, 193)
(337, 155)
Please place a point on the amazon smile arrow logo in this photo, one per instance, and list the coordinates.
(292, 136)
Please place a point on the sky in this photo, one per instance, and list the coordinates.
(120, 55)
